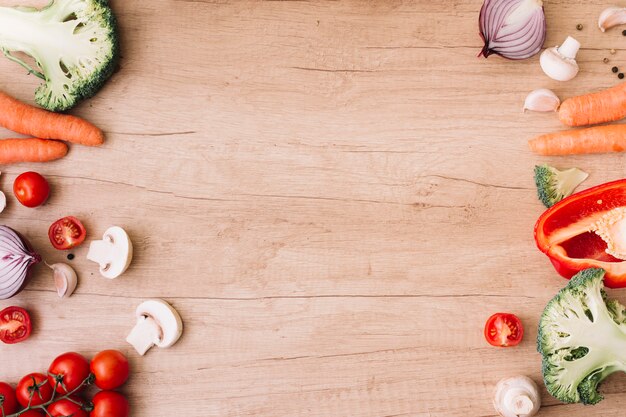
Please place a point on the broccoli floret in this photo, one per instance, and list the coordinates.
(73, 42)
(554, 185)
(582, 339)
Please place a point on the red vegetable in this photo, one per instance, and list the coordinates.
(67, 408)
(36, 386)
(15, 325)
(504, 330)
(8, 400)
(31, 189)
(67, 233)
(564, 233)
(110, 404)
(110, 368)
(70, 370)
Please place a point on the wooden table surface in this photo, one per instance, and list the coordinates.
(334, 195)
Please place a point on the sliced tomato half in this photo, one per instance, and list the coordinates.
(504, 330)
(15, 325)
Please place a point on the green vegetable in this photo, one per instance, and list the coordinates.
(582, 338)
(554, 185)
(73, 42)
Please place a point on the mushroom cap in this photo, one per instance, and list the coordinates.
(556, 66)
(166, 317)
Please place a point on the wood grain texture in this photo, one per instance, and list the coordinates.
(334, 195)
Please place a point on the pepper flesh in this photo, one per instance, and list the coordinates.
(568, 232)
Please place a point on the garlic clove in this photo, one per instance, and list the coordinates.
(542, 100)
(3, 201)
(65, 279)
(610, 17)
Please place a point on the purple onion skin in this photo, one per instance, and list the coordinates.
(486, 51)
(36, 259)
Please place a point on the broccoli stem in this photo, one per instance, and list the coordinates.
(24, 64)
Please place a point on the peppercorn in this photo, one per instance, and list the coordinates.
(623, 32)
(615, 69)
(579, 26)
(620, 75)
(605, 60)
(71, 255)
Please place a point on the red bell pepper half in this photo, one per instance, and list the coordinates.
(563, 232)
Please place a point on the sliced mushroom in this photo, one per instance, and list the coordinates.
(158, 324)
(559, 62)
(113, 253)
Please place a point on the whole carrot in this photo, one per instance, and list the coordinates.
(33, 121)
(597, 139)
(590, 109)
(30, 150)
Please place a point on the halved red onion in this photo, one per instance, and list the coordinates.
(16, 260)
(514, 29)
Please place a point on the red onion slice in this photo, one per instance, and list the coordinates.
(514, 29)
(16, 261)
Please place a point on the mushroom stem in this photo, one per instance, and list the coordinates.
(570, 48)
(144, 335)
(517, 397)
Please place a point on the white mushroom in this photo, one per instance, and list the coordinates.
(114, 252)
(611, 16)
(3, 200)
(559, 62)
(158, 324)
(542, 100)
(517, 396)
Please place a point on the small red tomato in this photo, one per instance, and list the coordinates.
(67, 408)
(36, 386)
(31, 189)
(110, 368)
(8, 400)
(110, 404)
(68, 370)
(504, 330)
(15, 325)
(67, 233)
(32, 413)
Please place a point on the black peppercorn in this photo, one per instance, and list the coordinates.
(620, 75)
(71, 255)
(615, 69)
(579, 26)
(624, 32)
(605, 60)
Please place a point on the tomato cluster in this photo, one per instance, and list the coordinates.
(59, 392)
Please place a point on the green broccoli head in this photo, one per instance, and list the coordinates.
(74, 43)
(554, 185)
(582, 339)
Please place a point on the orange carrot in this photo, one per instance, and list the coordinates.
(30, 150)
(590, 109)
(597, 139)
(33, 121)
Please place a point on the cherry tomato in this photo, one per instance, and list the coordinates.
(65, 407)
(67, 233)
(35, 385)
(32, 413)
(31, 189)
(504, 330)
(70, 370)
(110, 404)
(8, 400)
(110, 368)
(15, 325)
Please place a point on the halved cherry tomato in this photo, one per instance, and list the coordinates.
(36, 386)
(31, 189)
(67, 233)
(8, 400)
(15, 325)
(504, 330)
